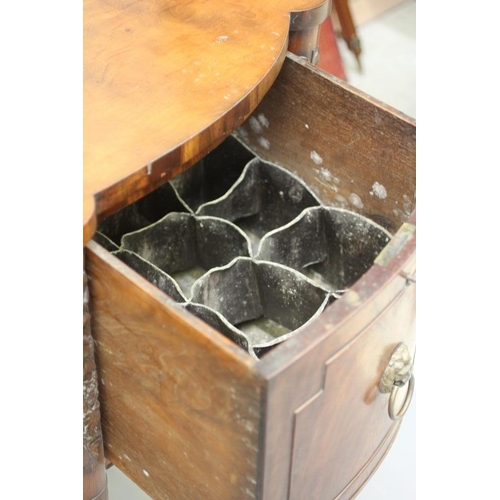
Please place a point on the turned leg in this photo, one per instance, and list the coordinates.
(304, 31)
(94, 471)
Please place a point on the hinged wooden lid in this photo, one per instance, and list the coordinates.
(166, 81)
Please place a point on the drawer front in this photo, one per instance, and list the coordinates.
(340, 429)
(180, 404)
(328, 425)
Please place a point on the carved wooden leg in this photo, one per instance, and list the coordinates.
(94, 472)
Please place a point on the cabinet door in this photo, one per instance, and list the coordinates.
(328, 425)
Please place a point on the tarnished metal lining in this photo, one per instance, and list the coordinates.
(152, 273)
(264, 198)
(345, 245)
(182, 242)
(217, 321)
(246, 290)
(213, 176)
(142, 213)
(105, 242)
(245, 246)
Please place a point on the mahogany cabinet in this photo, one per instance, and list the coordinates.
(185, 412)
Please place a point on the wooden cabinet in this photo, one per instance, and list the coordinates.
(186, 413)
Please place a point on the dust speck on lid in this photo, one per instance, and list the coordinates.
(341, 200)
(263, 120)
(355, 200)
(255, 125)
(241, 132)
(316, 158)
(325, 173)
(407, 203)
(264, 142)
(399, 213)
(379, 190)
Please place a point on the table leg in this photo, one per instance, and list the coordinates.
(94, 472)
(305, 25)
(348, 28)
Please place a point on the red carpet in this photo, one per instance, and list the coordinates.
(329, 56)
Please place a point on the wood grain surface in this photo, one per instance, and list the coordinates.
(181, 404)
(186, 414)
(327, 421)
(354, 151)
(165, 82)
(327, 425)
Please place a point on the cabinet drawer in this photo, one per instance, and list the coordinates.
(186, 412)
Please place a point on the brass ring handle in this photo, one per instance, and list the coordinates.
(398, 373)
(392, 400)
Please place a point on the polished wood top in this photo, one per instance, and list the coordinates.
(166, 81)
